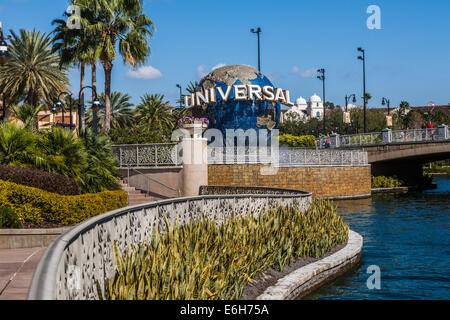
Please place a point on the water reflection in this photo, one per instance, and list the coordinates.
(407, 236)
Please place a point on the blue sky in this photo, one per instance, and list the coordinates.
(408, 59)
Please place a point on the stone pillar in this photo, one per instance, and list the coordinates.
(442, 132)
(387, 135)
(195, 165)
(335, 140)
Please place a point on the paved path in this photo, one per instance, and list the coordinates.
(16, 271)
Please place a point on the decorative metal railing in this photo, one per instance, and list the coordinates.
(385, 137)
(147, 155)
(405, 136)
(361, 139)
(74, 262)
(287, 157)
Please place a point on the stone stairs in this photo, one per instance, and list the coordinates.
(135, 196)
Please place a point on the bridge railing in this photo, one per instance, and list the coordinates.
(147, 155)
(387, 136)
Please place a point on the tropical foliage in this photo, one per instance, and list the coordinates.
(386, 182)
(88, 158)
(122, 29)
(34, 74)
(294, 141)
(201, 260)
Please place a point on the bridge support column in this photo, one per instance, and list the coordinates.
(387, 135)
(443, 132)
(335, 140)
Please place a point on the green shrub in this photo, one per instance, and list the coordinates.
(294, 141)
(9, 218)
(47, 181)
(386, 182)
(35, 205)
(201, 260)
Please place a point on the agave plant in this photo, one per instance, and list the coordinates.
(201, 260)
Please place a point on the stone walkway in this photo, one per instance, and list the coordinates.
(16, 271)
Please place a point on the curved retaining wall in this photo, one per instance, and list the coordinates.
(304, 280)
(73, 262)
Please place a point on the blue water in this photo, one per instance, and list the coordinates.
(407, 236)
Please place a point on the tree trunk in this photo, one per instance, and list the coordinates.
(94, 75)
(81, 121)
(107, 66)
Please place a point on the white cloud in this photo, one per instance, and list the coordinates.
(220, 65)
(305, 73)
(308, 73)
(145, 72)
(295, 69)
(201, 71)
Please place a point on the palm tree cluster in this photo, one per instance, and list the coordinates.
(109, 28)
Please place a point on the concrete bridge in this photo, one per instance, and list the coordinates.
(401, 153)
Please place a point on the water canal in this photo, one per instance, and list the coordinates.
(408, 237)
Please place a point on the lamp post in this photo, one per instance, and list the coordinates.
(258, 31)
(322, 77)
(181, 95)
(96, 106)
(4, 58)
(347, 98)
(387, 102)
(60, 105)
(363, 59)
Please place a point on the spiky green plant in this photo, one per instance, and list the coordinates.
(204, 260)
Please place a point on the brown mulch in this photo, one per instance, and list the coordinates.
(270, 277)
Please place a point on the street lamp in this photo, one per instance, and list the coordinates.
(322, 77)
(258, 31)
(385, 101)
(96, 106)
(4, 58)
(181, 95)
(347, 98)
(363, 59)
(59, 105)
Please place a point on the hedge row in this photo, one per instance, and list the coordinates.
(295, 141)
(51, 182)
(34, 205)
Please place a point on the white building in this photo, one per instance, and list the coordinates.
(303, 109)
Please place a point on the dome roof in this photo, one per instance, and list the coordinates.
(301, 101)
(315, 98)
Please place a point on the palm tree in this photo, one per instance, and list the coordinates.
(27, 114)
(102, 171)
(17, 145)
(191, 86)
(63, 152)
(123, 29)
(77, 47)
(121, 111)
(33, 74)
(154, 112)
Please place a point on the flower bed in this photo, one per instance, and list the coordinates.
(201, 260)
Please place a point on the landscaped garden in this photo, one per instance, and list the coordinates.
(201, 260)
(55, 178)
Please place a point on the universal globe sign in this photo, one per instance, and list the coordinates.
(244, 109)
(239, 97)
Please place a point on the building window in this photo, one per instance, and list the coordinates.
(317, 114)
(317, 104)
